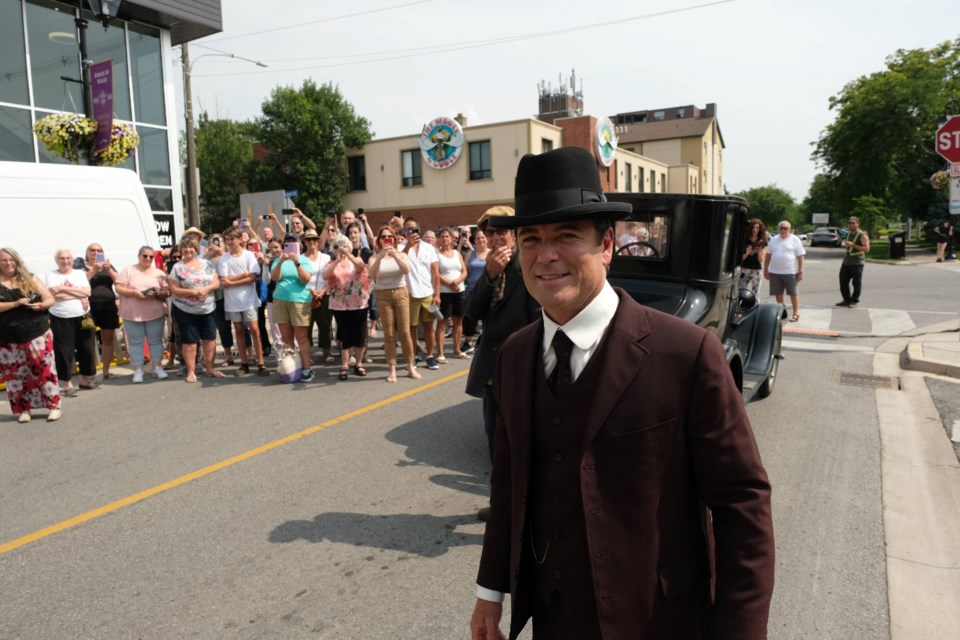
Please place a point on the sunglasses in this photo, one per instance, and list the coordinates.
(412, 230)
(311, 239)
(144, 256)
(784, 228)
(490, 232)
(385, 237)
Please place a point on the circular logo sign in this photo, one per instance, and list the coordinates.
(441, 142)
(606, 141)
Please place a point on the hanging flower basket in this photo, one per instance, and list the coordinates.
(940, 180)
(69, 135)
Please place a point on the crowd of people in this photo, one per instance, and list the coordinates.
(266, 290)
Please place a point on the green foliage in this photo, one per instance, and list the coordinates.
(771, 204)
(225, 159)
(306, 132)
(872, 212)
(881, 143)
(821, 198)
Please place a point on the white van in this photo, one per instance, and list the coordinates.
(45, 207)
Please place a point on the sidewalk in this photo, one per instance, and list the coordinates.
(935, 350)
(915, 255)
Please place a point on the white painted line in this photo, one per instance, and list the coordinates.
(811, 318)
(820, 345)
(890, 322)
(955, 435)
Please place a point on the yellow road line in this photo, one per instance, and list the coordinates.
(223, 464)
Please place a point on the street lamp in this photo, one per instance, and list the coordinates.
(193, 186)
(104, 11)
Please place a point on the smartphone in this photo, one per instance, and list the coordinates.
(216, 242)
(292, 247)
(267, 216)
(254, 246)
(100, 258)
(147, 292)
(388, 242)
(35, 298)
(242, 223)
(288, 212)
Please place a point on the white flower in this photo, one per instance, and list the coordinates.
(49, 389)
(14, 387)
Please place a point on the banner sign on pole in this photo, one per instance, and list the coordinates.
(955, 196)
(101, 88)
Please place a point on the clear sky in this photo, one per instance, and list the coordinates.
(769, 65)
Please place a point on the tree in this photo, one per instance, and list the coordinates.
(225, 161)
(306, 132)
(881, 143)
(771, 204)
(871, 211)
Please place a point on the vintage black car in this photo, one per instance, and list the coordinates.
(680, 254)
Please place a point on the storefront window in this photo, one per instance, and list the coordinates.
(154, 156)
(146, 65)
(109, 45)
(52, 34)
(160, 199)
(16, 135)
(13, 64)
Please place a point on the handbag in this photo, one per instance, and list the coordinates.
(290, 367)
(87, 323)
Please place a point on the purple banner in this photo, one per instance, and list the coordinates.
(101, 90)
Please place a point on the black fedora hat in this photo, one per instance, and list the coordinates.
(559, 186)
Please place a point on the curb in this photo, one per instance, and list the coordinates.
(912, 355)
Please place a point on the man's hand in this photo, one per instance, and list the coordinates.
(497, 261)
(485, 623)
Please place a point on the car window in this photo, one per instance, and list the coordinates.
(643, 236)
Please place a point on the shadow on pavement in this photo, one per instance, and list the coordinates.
(418, 534)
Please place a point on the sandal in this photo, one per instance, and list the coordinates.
(360, 371)
(441, 360)
(794, 317)
(414, 374)
(344, 373)
(109, 376)
(190, 379)
(215, 374)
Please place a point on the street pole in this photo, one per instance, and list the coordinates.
(193, 189)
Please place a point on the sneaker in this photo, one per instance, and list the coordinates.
(262, 371)
(484, 514)
(852, 305)
(160, 374)
(417, 360)
(470, 351)
(138, 376)
(432, 363)
(55, 414)
(181, 371)
(307, 375)
(24, 417)
(843, 303)
(243, 370)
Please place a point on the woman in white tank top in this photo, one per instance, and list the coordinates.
(453, 271)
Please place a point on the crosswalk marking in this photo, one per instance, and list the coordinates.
(890, 322)
(814, 319)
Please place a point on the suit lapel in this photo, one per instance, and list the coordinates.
(520, 414)
(621, 357)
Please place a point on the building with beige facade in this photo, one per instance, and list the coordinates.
(400, 174)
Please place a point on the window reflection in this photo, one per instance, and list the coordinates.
(16, 135)
(52, 34)
(154, 156)
(13, 63)
(147, 74)
(160, 199)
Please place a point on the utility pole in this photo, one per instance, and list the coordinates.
(193, 189)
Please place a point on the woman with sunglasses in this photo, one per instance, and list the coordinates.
(193, 282)
(143, 290)
(103, 301)
(388, 269)
(348, 283)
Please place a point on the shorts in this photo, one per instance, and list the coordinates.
(296, 314)
(420, 310)
(781, 281)
(195, 328)
(246, 316)
(451, 304)
(106, 317)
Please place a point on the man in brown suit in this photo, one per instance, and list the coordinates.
(610, 517)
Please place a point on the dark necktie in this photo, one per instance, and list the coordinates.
(562, 377)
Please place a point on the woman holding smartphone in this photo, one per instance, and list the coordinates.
(143, 290)
(291, 300)
(348, 284)
(26, 342)
(388, 269)
(193, 282)
(103, 301)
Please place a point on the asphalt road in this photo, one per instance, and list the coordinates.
(347, 509)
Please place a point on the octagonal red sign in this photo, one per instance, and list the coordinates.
(948, 140)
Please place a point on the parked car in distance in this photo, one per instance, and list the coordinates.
(829, 236)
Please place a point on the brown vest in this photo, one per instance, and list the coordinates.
(555, 519)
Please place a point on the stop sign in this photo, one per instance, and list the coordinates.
(948, 140)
